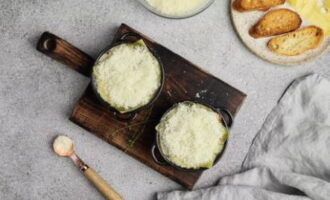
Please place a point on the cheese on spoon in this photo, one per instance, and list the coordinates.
(63, 146)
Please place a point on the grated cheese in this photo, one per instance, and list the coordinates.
(128, 76)
(191, 135)
(63, 145)
(177, 7)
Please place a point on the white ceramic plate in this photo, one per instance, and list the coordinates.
(243, 21)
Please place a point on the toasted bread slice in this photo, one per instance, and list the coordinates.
(249, 5)
(276, 22)
(297, 42)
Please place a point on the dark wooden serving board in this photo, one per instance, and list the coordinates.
(183, 81)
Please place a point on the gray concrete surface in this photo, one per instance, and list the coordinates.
(37, 94)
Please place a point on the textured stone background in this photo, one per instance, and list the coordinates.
(37, 94)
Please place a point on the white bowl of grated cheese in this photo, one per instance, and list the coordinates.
(176, 9)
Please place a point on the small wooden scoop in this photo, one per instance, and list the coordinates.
(63, 146)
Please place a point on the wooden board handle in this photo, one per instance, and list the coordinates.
(64, 52)
(101, 185)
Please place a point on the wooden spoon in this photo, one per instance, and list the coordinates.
(63, 146)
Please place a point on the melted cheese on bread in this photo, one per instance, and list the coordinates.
(316, 12)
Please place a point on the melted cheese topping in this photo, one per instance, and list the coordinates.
(127, 76)
(316, 12)
(191, 135)
(177, 7)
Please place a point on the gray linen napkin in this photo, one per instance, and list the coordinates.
(290, 157)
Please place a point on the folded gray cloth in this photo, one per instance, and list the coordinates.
(290, 156)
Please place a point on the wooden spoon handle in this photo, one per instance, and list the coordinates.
(101, 185)
(64, 52)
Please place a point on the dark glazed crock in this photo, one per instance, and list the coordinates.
(162, 160)
(129, 116)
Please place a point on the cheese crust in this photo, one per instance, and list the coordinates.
(191, 135)
(128, 76)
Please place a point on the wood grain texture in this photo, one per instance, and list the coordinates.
(183, 81)
(64, 52)
(108, 192)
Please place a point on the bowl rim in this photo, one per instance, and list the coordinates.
(156, 12)
(157, 146)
